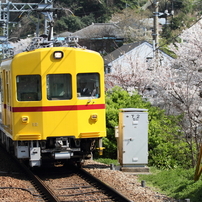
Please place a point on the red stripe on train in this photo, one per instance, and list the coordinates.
(57, 108)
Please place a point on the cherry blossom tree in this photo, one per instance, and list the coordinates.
(175, 86)
(184, 85)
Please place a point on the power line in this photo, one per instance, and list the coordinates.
(9, 7)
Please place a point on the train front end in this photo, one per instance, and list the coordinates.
(54, 104)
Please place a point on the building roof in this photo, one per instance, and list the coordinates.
(96, 30)
(127, 48)
(122, 50)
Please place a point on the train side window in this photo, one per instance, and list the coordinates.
(88, 85)
(59, 86)
(28, 87)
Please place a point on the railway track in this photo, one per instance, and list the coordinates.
(75, 184)
(14, 183)
(68, 184)
(65, 184)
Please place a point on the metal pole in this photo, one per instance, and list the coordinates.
(155, 31)
(46, 25)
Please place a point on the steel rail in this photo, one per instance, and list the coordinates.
(102, 185)
(47, 194)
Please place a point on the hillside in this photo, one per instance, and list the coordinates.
(100, 11)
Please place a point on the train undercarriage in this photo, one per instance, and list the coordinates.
(54, 149)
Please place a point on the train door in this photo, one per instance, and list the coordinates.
(3, 110)
(7, 99)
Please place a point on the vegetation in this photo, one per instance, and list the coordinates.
(166, 146)
(186, 12)
(177, 183)
(107, 161)
(82, 14)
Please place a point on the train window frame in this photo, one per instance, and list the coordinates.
(28, 87)
(88, 85)
(58, 90)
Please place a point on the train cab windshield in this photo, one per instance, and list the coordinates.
(88, 85)
(59, 86)
(28, 87)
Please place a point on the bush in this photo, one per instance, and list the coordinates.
(166, 147)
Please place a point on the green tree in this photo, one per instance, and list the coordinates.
(166, 148)
(185, 16)
(72, 23)
(88, 19)
(61, 25)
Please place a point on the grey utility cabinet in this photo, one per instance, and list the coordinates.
(133, 137)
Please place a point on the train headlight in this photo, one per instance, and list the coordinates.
(25, 119)
(58, 54)
(94, 117)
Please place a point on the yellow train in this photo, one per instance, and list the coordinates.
(53, 104)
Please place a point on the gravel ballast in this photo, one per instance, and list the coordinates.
(14, 187)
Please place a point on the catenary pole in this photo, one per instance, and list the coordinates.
(155, 28)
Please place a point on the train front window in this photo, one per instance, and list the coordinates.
(28, 87)
(59, 86)
(88, 85)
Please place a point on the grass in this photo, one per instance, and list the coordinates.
(177, 183)
(107, 161)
